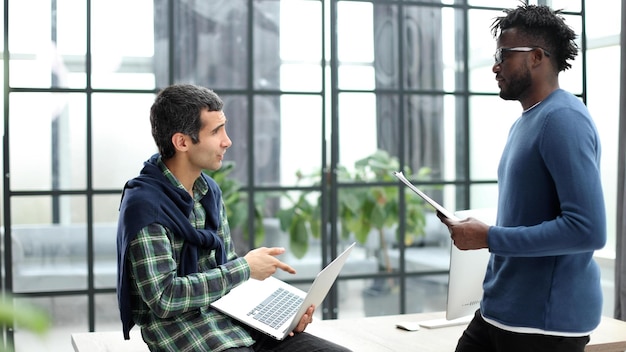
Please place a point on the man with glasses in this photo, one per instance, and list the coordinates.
(542, 286)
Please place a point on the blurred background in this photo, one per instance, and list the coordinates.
(324, 99)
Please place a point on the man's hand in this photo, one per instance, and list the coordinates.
(263, 262)
(468, 233)
(307, 319)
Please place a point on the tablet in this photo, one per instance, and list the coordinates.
(428, 200)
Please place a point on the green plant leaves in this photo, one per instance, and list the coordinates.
(301, 221)
(298, 237)
(236, 203)
(26, 316)
(360, 209)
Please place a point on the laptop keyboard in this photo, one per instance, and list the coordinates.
(277, 308)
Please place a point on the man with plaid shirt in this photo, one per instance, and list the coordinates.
(175, 254)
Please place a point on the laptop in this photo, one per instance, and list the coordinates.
(275, 307)
(467, 273)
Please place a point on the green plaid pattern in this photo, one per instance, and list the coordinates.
(173, 312)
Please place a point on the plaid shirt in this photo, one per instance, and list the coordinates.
(173, 312)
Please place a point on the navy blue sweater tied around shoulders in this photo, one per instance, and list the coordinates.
(151, 198)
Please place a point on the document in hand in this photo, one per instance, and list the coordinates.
(428, 200)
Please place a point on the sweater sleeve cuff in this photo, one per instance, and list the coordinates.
(491, 234)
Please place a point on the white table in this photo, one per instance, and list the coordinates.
(371, 334)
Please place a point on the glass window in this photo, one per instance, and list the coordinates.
(68, 313)
(300, 51)
(453, 49)
(105, 254)
(568, 5)
(424, 131)
(423, 47)
(483, 46)
(210, 45)
(490, 121)
(267, 43)
(603, 20)
(426, 293)
(107, 312)
(122, 138)
(572, 79)
(355, 111)
(603, 101)
(47, 141)
(236, 111)
(483, 196)
(268, 113)
(48, 48)
(300, 140)
(105, 212)
(355, 33)
(122, 44)
(48, 240)
(495, 3)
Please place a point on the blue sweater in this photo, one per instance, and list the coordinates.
(551, 218)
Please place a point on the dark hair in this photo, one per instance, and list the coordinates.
(177, 109)
(543, 27)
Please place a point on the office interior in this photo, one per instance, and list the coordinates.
(324, 98)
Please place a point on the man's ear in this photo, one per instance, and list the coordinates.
(180, 141)
(539, 56)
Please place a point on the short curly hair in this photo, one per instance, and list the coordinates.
(544, 27)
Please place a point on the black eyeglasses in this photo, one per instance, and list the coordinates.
(498, 56)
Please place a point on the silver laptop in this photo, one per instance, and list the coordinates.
(275, 307)
(467, 273)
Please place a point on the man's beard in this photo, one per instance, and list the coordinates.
(517, 86)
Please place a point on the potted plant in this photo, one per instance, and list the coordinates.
(362, 211)
(375, 209)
